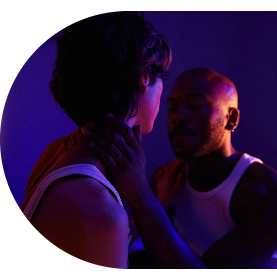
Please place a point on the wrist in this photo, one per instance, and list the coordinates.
(142, 198)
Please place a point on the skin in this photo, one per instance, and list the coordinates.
(202, 109)
(95, 226)
(148, 106)
(76, 213)
(122, 154)
(202, 112)
(200, 135)
(205, 103)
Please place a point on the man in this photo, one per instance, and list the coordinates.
(222, 202)
(202, 114)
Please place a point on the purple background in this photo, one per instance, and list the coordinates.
(240, 45)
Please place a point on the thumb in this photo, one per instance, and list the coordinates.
(137, 132)
(181, 177)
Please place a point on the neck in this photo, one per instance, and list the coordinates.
(208, 171)
(86, 154)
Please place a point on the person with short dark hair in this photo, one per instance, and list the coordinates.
(106, 63)
(99, 65)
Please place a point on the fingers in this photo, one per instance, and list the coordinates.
(125, 131)
(137, 133)
(119, 141)
(109, 138)
(120, 134)
(103, 156)
(108, 150)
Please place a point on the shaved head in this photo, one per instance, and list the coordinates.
(215, 83)
(202, 113)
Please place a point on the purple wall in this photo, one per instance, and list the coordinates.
(243, 47)
(31, 119)
(239, 45)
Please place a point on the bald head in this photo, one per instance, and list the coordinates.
(207, 80)
(202, 113)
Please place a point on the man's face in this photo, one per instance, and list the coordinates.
(196, 118)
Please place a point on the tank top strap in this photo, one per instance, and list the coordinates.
(202, 218)
(82, 169)
(231, 181)
(244, 162)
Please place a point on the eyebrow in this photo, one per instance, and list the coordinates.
(188, 95)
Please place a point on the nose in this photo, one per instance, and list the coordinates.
(181, 115)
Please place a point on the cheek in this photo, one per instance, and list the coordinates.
(152, 111)
(154, 102)
(157, 105)
(149, 107)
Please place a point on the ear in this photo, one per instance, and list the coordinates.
(144, 82)
(233, 119)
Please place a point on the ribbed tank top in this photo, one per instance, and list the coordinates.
(82, 169)
(202, 218)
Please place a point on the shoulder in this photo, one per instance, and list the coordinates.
(80, 216)
(87, 197)
(261, 174)
(258, 183)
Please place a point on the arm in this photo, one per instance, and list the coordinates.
(159, 236)
(252, 243)
(153, 180)
(81, 217)
(254, 240)
(249, 245)
(126, 162)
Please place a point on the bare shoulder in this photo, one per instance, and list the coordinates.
(79, 215)
(256, 192)
(263, 174)
(83, 195)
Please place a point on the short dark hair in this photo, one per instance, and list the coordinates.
(99, 63)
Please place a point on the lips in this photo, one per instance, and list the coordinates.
(181, 132)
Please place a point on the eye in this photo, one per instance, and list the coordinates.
(196, 101)
(172, 105)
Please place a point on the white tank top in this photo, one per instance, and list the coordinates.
(202, 218)
(82, 169)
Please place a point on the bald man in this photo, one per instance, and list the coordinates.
(222, 203)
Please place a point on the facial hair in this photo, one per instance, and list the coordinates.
(210, 140)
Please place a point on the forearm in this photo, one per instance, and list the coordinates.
(245, 247)
(159, 236)
(249, 245)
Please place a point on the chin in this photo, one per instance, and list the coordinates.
(187, 154)
(184, 155)
(143, 132)
(146, 129)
